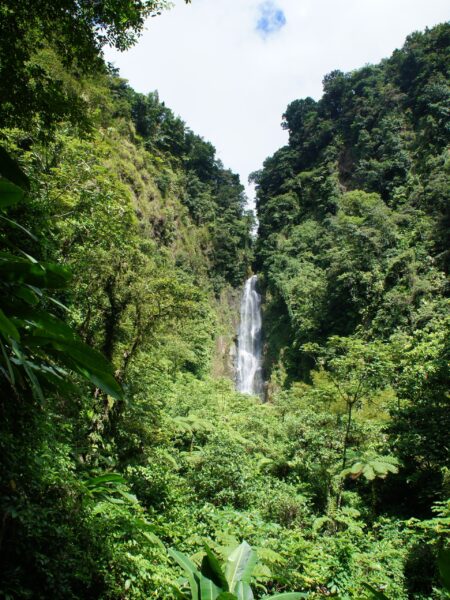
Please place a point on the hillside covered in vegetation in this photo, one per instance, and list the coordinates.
(125, 242)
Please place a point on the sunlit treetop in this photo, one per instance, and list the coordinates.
(76, 31)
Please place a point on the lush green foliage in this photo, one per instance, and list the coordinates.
(105, 251)
(353, 247)
(105, 468)
(46, 46)
(230, 581)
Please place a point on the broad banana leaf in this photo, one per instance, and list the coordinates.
(193, 575)
(211, 568)
(240, 565)
(243, 591)
(208, 589)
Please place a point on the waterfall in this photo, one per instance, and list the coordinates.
(249, 368)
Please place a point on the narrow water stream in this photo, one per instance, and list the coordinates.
(249, 366)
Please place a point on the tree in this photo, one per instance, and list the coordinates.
(358, 371)
(38, 41)
(421, 419)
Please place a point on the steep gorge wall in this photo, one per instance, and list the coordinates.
(227, 310)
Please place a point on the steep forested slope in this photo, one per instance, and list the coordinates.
(353, 247)
(353, 212)
(153, 230)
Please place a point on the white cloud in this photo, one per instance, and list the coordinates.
(231, 85)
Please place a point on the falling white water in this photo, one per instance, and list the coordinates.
(249, 368)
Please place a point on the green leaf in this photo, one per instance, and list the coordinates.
(107, 478)
(7, 327)
(48, 275)
(83, 354)
(178, 593)
(240, 565)
(184, 562)
(58, 303)
(131, 498)
(391, 468)
(111, 499)
(58, 379)
(208, 589)
(17, 225)
(211, 568)
(28, 367)
(369, 473)
(153, 539)
(444, 566)
(243, 591)
(287, 596)
(9, 366)
(81, 358)
(376, 595)
(191, 571)
(104, 381)
(10, 194)
(26, 294)
(10, 169)
(357, 468)
(226, 596)
(48, 326)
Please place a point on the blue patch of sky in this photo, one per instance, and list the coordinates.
(271, 18)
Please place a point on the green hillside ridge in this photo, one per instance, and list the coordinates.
(125, 244)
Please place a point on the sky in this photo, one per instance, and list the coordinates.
(229, 68)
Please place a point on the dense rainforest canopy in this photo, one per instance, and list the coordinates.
(128, 460)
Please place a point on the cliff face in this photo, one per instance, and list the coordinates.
(227, 310)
